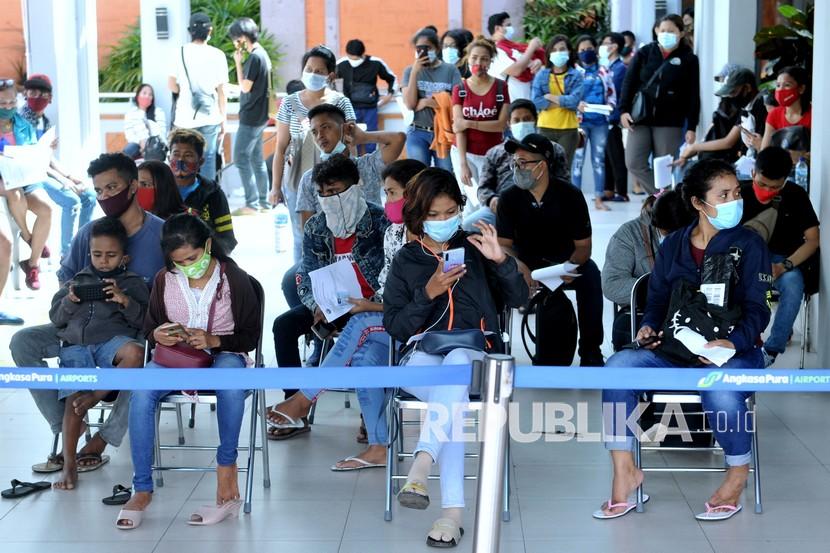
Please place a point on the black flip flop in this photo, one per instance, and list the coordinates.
(22, 489)
(120, 495)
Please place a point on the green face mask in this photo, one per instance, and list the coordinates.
(198, 268)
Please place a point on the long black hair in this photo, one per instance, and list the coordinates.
(184, 229)
(168, 200)
(151, 110)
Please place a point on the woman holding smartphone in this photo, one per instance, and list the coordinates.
(203, 300)
(422, 297)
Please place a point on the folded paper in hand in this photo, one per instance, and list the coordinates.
(663, 171)
(332, 286)
(25, 165)
(696, 344)
(552, 276)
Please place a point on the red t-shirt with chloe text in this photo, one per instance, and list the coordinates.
(481, 108)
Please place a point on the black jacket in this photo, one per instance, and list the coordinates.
(678, 99)
(212, 205)
(360, 83)
(407, 310)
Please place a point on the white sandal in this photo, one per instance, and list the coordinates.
(445, 526)
(292, 422)
(719, 512)
(134, 517)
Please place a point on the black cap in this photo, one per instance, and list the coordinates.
(736, 79)
(534, 143)
(200, 19)
(38, 81)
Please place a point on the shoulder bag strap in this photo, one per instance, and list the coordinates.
(216, 296)
(189, 83)
(657, 73)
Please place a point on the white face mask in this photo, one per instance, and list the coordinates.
(509, 32)
(343, 211)
(355, 63)
(313, 81)
(521, 130)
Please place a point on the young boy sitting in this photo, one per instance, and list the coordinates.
(99, 315)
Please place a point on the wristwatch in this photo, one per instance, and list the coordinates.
(788, 265)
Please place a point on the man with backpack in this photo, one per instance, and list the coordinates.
(543, 221)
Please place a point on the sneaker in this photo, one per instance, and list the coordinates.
(769, 358)
(244, 211)
(10, 320)
(32, 275)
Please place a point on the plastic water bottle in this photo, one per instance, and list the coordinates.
(802, 173)
(282, 228)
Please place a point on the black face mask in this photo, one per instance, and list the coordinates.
(118, 271)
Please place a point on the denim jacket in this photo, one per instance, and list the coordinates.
(541, 86)
(318, 250)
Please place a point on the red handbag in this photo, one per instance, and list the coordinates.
(184, 356)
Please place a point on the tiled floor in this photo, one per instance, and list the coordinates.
(309, 509)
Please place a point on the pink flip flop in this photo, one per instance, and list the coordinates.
(719, 512)
(214, 514)
(629, 506)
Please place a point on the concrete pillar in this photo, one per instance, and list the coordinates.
(516, 9)
(723, 33)
(62, 42)
(455, 14)
(820, 173)
(157, 54)
(333, 26)
(273, 15)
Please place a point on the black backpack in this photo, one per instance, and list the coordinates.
(555, 310)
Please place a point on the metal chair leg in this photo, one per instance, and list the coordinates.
(192, 422)
(179, 424)
(266, 469)
(390, 460)
(347, 403)
(312, 412)
(638, 460)
(756, 457)
(505, 514)
(805, 329)
(249, 478)
(157, 446)
(55, 441)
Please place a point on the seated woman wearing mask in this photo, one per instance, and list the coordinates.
(203, 300)
(711, 190)
(348, 227)
(157, 190)
(364, 341)
(632, 251)
(453, 45)
(420, 296)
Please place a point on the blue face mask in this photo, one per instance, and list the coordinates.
(559, 59)
(7, 113)
(667, 40)
(338, 149)
(728, 214)
(442, 231)
(450, 55)
(521, 130)
(588, 57)
(313, 81)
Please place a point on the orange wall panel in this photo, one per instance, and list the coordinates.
(471, 16)
(315, 23)
(387, 31)
(12, 50)
(114, 18)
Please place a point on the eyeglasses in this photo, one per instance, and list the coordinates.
(523, 164)
(6, 83)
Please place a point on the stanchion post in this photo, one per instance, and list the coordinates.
(496, 391)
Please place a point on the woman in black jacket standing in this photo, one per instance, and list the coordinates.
(422, 297)
(674, 99)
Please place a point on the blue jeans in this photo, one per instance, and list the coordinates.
(71, 205)
(230, 408)
(725, 410)
(211, 134)
(417, 147)
(791, 287)
(247, 154)
(88, 357)
(483, 213)
(363, 342)
(597, 136)
(369, 117)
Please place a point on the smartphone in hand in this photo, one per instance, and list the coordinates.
(453, 258)
(91, 292)
(176, 330)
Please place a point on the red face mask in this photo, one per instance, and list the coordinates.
(183, 169)
(146, 198)
(786, 96)
(764, 195)
(144, 102)
(37, 104)
(394, 211)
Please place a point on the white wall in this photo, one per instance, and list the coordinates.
(820, 172)
(157, 55)
(62, 42)
(290, 37)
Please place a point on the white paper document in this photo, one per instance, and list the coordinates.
(602, 109)
(332, 287)
(552, 276)
(715, 293)
(25, 165)
(663, 171)
(696, 343)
